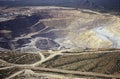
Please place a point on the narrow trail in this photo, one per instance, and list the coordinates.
(62, 71)
(46, 59)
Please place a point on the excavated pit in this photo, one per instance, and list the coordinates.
(59, 43)
(61, 25)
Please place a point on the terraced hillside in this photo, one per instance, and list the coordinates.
(58, 43)
(58, 27)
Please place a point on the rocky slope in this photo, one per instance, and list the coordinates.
(106, 5)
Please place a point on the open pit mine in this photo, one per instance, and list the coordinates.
(51, 42)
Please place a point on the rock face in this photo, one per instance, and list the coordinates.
(67, 27)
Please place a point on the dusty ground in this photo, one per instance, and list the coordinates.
(87, 64)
